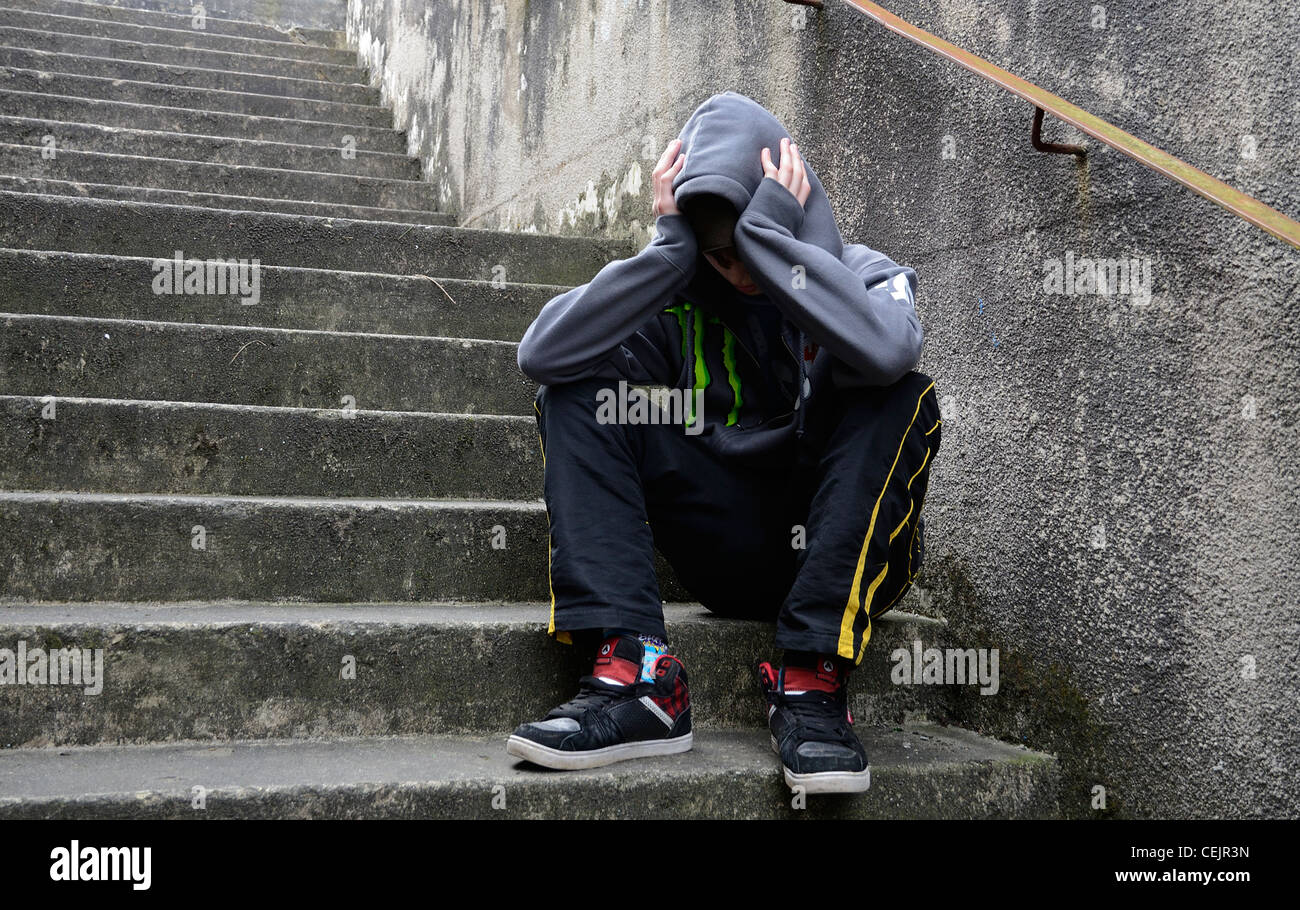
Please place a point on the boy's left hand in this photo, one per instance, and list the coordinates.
(790, 174)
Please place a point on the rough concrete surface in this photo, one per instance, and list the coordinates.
(927, 771)
(168, 32)
(182, 447)
(104, 112)
(321, 14)
(120, 287)
(92, 226)
(120, 193)
(217, 671)
(279, 20)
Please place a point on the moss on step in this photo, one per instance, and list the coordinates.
(1038, 703)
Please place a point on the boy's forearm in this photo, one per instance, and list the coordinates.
(579, 329)
(865, 318)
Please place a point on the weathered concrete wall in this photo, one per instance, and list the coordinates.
(549, 116)
(1116, 498)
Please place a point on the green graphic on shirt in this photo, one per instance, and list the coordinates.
(701, 373)
(733, 376)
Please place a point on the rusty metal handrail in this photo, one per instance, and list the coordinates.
(1218, 192)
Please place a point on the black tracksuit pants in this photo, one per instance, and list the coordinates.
(821, 549)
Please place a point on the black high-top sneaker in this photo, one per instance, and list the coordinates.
(808, 714)
(615, 716)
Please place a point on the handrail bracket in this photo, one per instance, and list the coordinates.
(1054, 148)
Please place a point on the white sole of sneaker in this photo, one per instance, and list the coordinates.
(830, 781)
(826, 781)
(595, 758)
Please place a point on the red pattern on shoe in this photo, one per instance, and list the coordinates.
(608, 666)
(826, 676)
(680, 699)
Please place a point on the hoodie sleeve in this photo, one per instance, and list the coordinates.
(581, 333)
(861, 310)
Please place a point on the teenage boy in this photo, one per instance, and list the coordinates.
(793, 494)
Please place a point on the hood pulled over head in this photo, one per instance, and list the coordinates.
(722, 141)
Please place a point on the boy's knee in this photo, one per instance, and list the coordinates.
(910, 388)
(913, 395)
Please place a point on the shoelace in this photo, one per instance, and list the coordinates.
(819, 716)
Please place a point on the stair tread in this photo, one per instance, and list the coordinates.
(459, 614)
(225, 768)
(266, 450)
(220, 202)
(250, 169)
(140, 113)
(58, 59)
(331, 107)
(146, 18)
(405, 230)
(172, 405)
(174, 37)
(353, 74)
(35, 221)
(176, 670)
(352, 502)
(106, 259)
(217, 328)
(199, 138)
(128, 358)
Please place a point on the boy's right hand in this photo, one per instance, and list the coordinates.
(669, 166)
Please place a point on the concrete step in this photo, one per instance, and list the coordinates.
(158, 73)
(99, 546)
(74, 356)
(112, 169)
(40, 186)
(921, 772)
(200, 99)
(89, 137)
(181, 19)
(316, 20)
(119, 49)
(69, 109)
(121, 287)
(175, 37)
(252, 670)
(73, 225)
(124, 446)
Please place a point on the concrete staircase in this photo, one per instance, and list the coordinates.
(307, 532)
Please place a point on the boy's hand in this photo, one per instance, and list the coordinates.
(669, 166)
(790, 174)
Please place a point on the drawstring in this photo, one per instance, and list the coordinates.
(689, 354)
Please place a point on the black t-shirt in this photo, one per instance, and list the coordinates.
(767, 327)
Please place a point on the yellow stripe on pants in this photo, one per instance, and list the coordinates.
(845, 645)
(563, 637)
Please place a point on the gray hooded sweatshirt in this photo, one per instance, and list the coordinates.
(831, 315)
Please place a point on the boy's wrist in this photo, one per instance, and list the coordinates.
(674, 222)
(675, 239)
